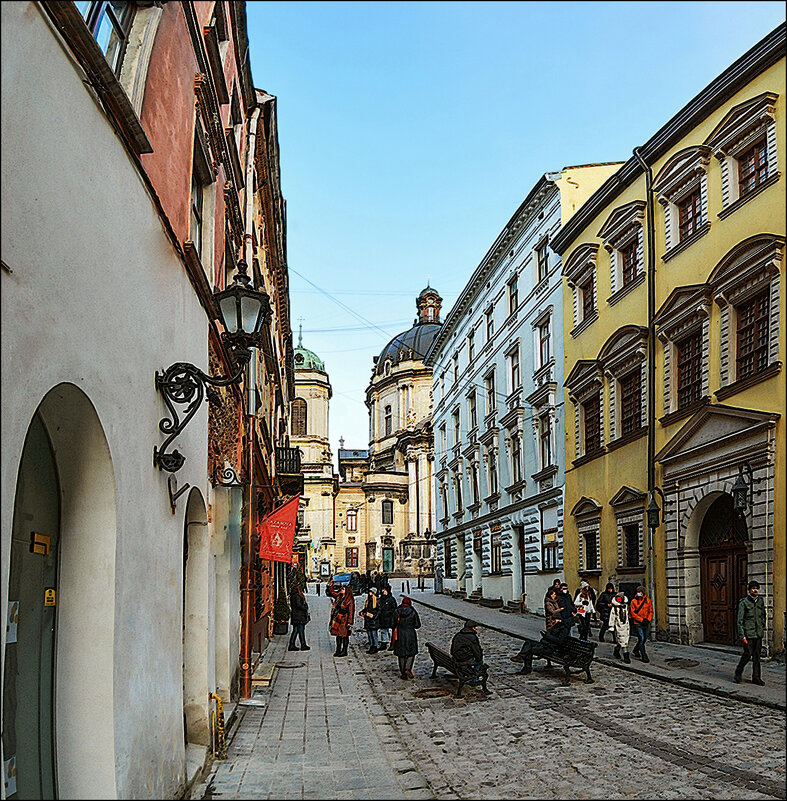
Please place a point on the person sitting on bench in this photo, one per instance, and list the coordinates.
(466, 650)
(559, 621)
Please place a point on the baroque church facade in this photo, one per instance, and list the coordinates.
(378, 512)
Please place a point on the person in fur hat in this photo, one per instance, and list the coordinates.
(620, 625)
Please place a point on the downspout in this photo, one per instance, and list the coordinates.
(651, 273)
(247, 556)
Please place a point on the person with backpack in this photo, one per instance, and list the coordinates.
(604, 606)
(385, 617)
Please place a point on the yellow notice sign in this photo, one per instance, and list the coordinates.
(49, 597)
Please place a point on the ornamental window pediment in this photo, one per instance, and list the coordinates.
(744, 142)
(627, 496)
(622, 236)
(745, 285)
(681, 187)
(683, 327)
(579, 270)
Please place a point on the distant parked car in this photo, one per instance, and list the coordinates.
(353, 580)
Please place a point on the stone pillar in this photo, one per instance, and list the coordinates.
(411, 505)
(423, 494)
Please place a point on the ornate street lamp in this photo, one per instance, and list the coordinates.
(242, 311)
(742, 492)
(653, 512)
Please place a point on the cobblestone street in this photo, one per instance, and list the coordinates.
(353, 729)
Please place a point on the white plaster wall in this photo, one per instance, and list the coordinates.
(98, 298)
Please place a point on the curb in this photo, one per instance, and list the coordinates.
(686, 683)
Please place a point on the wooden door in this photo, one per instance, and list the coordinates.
(717, 596)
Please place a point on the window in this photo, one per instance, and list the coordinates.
(352, 520)
(590, 543)
(622, 237)
(689, 357)
(109, 22)
(491, 394)
(492, 463)
(490, 324)
(592, 414)
(496, 564)
(351, 557)
(444, 499)
(513, 361)
(448, 561)
(443, 439)
(544, 344)
(753, 339)
(513, 296)
(681, 187)
(549, 552)
(470, 347)
(630, 403)
(628, 258)
(579, 270)
(516, 459)
(545, 437)
(197, 202)
(457, 426)
(456, 368)
(689, 215)
(752, 167)
(299, 409)
(474, 494)
(631, 544)
(388, 513)
(388, 421)
(458, 492)
(588, 299)
(542, 261)
(472, 411)
(745, 144)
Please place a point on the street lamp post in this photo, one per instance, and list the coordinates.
(653, 524)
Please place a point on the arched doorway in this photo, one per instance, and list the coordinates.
(723, 569)
(61, 650)
(28, 685)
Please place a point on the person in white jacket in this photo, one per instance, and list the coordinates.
(585, 608)
(620, 625)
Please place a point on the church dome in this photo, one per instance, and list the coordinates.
(415, 343)
(307, 360)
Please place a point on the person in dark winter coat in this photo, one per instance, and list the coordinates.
(299, 617)
(342, 615)
(751, 628)
(466, 649)
(370, 613)
(551, 641)
(385, 617)
(603, 607)
(405, 640)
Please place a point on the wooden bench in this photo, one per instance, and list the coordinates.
(574, 655)
(463, 672)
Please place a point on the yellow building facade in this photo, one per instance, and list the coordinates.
(674, 287)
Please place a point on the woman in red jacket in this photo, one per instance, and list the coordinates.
(342, 615)
(641, 609)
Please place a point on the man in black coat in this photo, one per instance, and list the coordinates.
(550, 642)
(466, 649)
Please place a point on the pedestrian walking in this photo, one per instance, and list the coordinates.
(385, 617)
(641, 609)
(751, 628)
(604, 606)
(585, 609)
(299, 617)
(569, 611)
(405, 639)
(620, 624)
(342, 615)
(552, 610)
(466, 650)
(370, 613)
(318, 588)
(554, 586)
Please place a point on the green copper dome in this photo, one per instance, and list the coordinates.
(306, 360)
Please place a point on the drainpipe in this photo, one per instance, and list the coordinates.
(651, 273)
(247, 544)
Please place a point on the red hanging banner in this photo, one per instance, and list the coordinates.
(277, 532)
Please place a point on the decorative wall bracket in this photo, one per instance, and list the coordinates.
(185, 385)
(226, 477)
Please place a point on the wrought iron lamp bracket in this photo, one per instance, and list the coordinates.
(184, 385)
(226, 477)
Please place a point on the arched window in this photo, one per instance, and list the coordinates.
(388, 421)
(298, 417)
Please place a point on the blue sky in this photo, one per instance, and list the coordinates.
(410, 132)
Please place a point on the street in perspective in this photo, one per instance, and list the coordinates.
(393, 400)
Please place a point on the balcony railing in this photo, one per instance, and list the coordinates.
(288, 461)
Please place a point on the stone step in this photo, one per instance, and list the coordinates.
(492, 603)
(472, 599)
